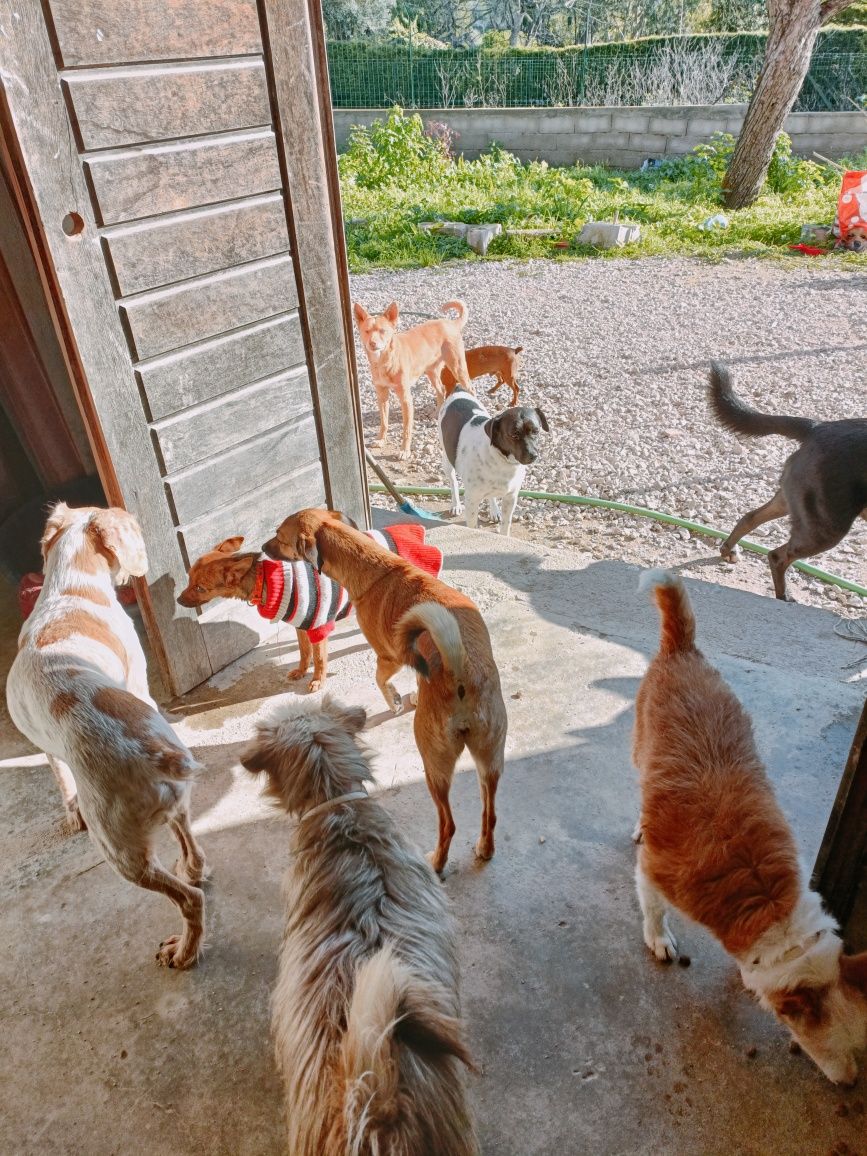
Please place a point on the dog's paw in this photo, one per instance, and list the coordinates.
(484, 848)
(294, 675)
(315, 684)
(663, 945)
(437, 861)
(413, 698)
(730, 554)
(457, 509)
(638, 832)
(176, 954)
(397, 705)
(74, 818)
(404, 455)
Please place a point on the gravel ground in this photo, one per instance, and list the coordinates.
(616, 353)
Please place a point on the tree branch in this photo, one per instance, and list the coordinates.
(830, 8)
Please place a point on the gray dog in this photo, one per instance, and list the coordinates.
(823, 486)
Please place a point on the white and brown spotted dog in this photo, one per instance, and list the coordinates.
(78, 690)
(489, 454)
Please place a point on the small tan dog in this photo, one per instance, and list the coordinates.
(78, 690)
(398, 360)
(715, 845)
(500, 361)
(366, 1012)
(413, 619)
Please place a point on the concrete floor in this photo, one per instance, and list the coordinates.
(586, 1045)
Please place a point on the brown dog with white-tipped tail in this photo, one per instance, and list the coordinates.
(413, 619)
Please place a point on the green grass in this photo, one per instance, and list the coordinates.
(393, 177)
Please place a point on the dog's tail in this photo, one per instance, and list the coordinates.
(391, 1009)
(460, 307)
(678, 620)
(731, 412)
(443, 628)
(518, 349)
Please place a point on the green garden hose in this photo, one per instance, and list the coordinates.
(643, 512)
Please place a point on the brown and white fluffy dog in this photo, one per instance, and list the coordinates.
(366, 1011)
(715, 845)
(398, 360)
(412, 619)
(500, 361)
(78, 690)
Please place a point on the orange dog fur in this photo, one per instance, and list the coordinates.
(498, 360)
(398, 360)
(715, 845)
(222, 573)
(412, 619)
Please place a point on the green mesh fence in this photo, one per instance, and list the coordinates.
(659, 70)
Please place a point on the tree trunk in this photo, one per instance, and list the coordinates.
(794, 25)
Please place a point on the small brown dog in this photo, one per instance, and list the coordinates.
(856, 239)
(365, 1012)
(398, 360)
(715, 845)
(412, 619)
(500, 361)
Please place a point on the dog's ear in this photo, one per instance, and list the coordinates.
(230, 545)
(491, 428)
(352, 718)
(308, 549)
(344, 519)
(543, 421)
(59, 519)
(800, 1004)
(361, 314)
(392, 312)
(116, 535)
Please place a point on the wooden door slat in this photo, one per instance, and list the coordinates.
(150, 179)
(165, 319)
(221, 364)
(242, 468)
(126, 106)
(163, 250)
(256, 515)
(116, 31)
(209, 429)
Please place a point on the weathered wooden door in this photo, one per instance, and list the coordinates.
(172, 158)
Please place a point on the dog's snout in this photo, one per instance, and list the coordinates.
(184, 599)
(271, 548)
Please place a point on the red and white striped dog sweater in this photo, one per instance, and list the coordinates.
(298, 593)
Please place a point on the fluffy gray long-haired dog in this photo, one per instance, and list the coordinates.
(365, 1012)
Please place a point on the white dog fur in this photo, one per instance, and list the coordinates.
(78, 690)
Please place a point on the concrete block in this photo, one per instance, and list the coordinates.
(652, 144)
(631, 121)
(555, 122)
(669, 125)
(831, 123)
(678, 145)
(592, 120)
(703, 127)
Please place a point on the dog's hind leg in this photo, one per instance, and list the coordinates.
(657, 933)
(192, 867)
(140, 865)
(489, 768)
(68, 792)
(775, 508)
(800, 545)
(439, 753)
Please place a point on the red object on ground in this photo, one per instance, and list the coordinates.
(810, 250)
(852, 205)
(31, 584)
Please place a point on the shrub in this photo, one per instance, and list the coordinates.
(396, 150)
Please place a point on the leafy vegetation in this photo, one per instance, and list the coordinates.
(395, 175)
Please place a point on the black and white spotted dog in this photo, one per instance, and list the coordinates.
(489, 454)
